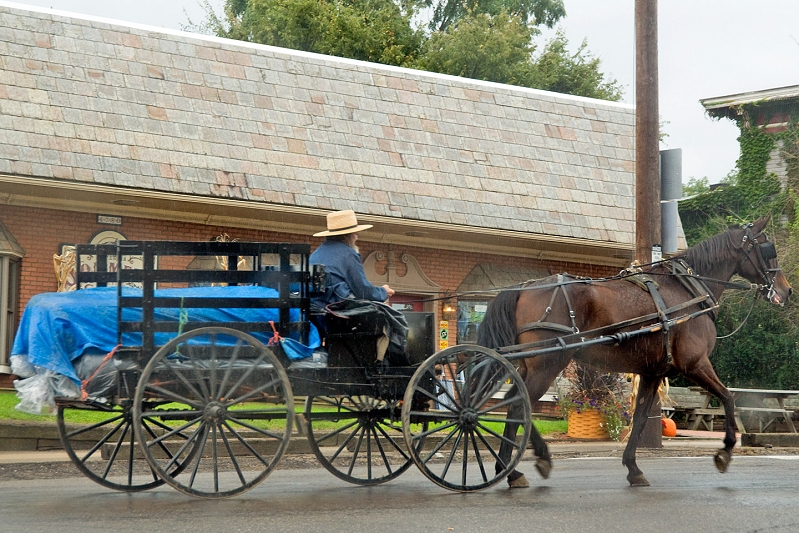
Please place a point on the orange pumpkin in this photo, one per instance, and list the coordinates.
(669, 427)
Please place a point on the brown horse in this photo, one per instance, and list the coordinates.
(671, 305)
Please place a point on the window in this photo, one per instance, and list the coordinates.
(470, 315)
(11, 254)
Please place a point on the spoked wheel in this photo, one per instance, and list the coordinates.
(106, 450)
(466, 392)
(226, 399)
(357, 438)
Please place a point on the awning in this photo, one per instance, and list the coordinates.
(8, 244)
(484, 279)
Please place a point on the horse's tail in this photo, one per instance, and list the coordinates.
(498, 328)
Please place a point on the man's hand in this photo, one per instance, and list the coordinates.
(389, 290)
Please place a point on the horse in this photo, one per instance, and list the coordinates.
(650, 341)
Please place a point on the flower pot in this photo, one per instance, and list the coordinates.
(587, 424)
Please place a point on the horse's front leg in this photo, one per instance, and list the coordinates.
(704, 376)
(723, 457)
(647, 389)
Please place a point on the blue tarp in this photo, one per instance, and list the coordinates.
(57, 328)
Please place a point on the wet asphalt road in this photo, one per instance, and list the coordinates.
(758, 494)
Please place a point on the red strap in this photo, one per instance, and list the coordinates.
(276, 337)
(85, 382)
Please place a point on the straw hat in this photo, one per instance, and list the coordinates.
(341, 222)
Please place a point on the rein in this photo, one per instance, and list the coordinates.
(742, 323)
(527, 285)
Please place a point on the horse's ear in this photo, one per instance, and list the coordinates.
(761, 223)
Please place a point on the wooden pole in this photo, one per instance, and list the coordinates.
(647, 162)
(647, 154)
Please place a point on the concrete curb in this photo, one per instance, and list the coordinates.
(33, 436)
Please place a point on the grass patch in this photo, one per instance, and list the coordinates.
(9, 399)
(548, 427)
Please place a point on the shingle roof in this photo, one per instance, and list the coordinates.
(90, 101)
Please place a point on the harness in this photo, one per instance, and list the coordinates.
(699, 291)
(765, 252)
(700, 295)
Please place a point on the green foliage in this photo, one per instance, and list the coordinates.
(536, 12)
(765, 352)
(696, 186)
(368, 30)
(499, 49)
(560, 71)
(482, 48)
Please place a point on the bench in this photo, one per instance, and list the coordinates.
(692, 404)
(766, 417)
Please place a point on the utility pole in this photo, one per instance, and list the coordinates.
(647, 142)
(647, 162)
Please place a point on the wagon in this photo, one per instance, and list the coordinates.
(204, 389)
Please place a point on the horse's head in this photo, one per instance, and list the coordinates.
(759, 263)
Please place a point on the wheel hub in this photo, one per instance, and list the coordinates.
(469, 418)
(215, 412)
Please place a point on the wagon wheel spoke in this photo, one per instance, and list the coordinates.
(104, 451)
(478, 457)
(225, 422)
(357, 438)
(469, 424)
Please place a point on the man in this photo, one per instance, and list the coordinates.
(348, 292)
(346, 278)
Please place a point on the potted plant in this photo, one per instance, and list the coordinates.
(596, 405)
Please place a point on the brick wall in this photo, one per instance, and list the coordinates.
(42, 232)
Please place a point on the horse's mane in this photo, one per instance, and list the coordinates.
(704, 256)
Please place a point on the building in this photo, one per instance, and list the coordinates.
(112, 130)
(774, 111)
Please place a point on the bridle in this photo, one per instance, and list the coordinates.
(763, 252)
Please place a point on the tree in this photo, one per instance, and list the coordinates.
(488, 40)
(368, 30)
(578, 73)
(482, 47)
(534, 12)
(499, 48)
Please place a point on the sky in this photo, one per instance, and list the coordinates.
(706, 48)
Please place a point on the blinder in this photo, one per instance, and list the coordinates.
(767, 251)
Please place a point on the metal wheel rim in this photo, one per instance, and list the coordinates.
(368, 435)
(457, 417)
(214, 413)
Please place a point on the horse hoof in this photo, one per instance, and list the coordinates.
(544, 467)
(722, 460)
(518, 483)
(638, 481)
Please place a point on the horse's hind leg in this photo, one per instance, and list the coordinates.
(543, 462)
(647, 389)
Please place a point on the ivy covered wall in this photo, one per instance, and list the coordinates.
(765, 352)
